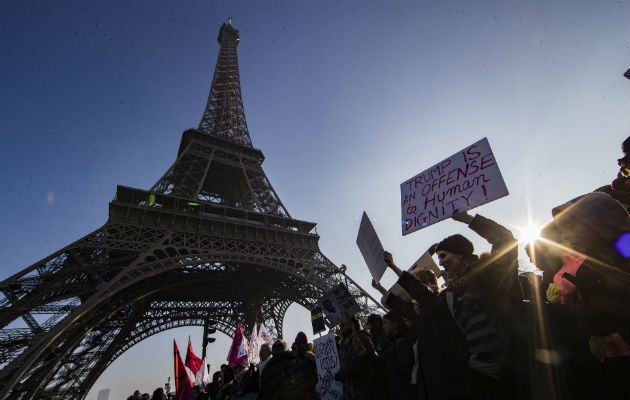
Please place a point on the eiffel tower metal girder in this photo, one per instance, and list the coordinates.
(224, 114)
(211, 239)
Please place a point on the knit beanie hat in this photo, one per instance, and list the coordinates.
(456, 244)
(279, 346)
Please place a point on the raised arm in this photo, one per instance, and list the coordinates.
(414, 287)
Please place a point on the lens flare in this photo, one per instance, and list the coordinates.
(50, 198)
(623, 245)
(529, 233)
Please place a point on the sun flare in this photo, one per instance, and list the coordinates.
(529, 233)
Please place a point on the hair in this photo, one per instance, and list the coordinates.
(228, 374)
(427, 277)
(158, 394)
(397, 320)
(375, 320)
(355, 321)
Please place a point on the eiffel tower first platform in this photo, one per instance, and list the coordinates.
(210, 240)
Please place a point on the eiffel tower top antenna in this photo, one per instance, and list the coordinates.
(224, 115)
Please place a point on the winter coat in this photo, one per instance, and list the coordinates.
(398, 360)
(287, 377)
(362, 378)
(473, 318)
(442, 351)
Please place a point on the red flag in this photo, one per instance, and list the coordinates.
(192, 361)
(182, 381)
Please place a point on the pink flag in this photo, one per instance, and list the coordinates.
(239, 349)
(192, 361)
(263, 335)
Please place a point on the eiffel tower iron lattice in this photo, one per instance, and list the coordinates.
(168, 257)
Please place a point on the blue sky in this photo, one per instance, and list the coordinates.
(346, 100)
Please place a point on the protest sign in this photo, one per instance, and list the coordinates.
(424, 262)
(371, 248)
(327, 361)
(338, 305)
(317, 320)
(463, 181)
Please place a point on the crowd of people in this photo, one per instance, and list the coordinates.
(488, 332)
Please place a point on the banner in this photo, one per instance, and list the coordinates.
(202, 378)
(254, 347)
(371, 248)
(424, 262)
(327, 361)
(338, 305)
(463, 181)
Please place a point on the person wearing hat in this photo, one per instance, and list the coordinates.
(482, 289)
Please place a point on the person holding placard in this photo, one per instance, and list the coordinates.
(481, 295)
(441, 352)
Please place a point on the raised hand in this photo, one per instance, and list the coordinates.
(462, 217)
(379, 287)
(389, 259)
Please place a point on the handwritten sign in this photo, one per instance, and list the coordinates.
(424, 262)
(465, 180)
(327, 361)
(371, 248)
(338, 305)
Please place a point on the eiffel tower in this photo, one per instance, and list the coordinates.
(210, 240)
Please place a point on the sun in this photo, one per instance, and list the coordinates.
(529, 233)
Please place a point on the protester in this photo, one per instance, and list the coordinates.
(265, 357)
(286, 377)
(619, 189)
(398, 358)
(584, 255)
(225, 391)
(441, 350)
(245, 382)
(304, 353)
(375, 328)
(214, 386)
(471, 333)
(158, 394)
(194, 393)
(358, 369)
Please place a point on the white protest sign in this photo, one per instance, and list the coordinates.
(371, 248)
(338, 304)
(327, 361)
(465, 180)
(424, 262)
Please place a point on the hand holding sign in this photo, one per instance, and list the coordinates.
(462, 217)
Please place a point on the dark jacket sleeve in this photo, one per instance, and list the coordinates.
(415, 288)
(501, 269)
(405, 308)
(497, 235)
